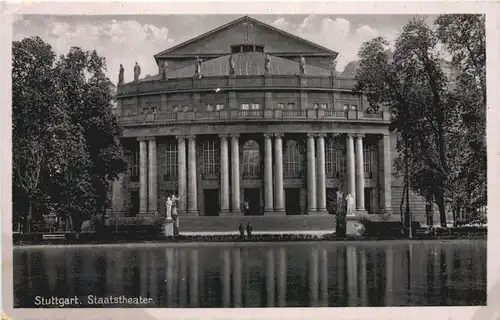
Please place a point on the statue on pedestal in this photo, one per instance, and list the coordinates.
(302, 65)
(137, 72)
(350, 204)
(164, 70)
(168, 206)
(197, 67)
(231, 65)
(267, 64)
(120, 75)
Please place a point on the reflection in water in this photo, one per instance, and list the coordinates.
(267, 275)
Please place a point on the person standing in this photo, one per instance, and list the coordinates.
(350, 204)
(242, 230)
(249, 230)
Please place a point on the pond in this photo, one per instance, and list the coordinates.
(335, 274)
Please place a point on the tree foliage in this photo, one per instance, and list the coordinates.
(65, 138)
(434, 116)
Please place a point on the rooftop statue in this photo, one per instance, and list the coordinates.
(164, 70)
(120, 75)
(302, 65)
(137, 72)
(197, 67)
(267, 64)
(231, 64)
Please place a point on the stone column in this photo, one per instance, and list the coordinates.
(143, 178)
(279, 202)
(237, 278)
(351, 180)
(268, 175)
(181, 174)
(321, 171)
(360, 175)
(386, 173)
(313, 277)
(311, 175)
(282, 274)
(226, 278)
(194, 279)
(270, 280)
(192, 186)
(235, 175)
(152, 187)
(324, 277)
(224, 175)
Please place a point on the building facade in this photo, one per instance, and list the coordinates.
(249, 123)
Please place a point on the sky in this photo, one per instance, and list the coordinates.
(128, 38)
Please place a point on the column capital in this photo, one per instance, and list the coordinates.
(180, 137)
(321, 135)
(360, 135)
(278, 135)
(191, 136)
(142, 138)
(150, 138)
(268, 135)
(386, 134)
(351, 135)
(223, 135)
(311, 135)
(234, 135)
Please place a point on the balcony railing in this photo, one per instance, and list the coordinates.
(262, 114)
(209, 83)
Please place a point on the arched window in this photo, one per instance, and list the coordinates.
(251, 159)
(292, 160)
(335, 159)
(170, 164)
(211, 157)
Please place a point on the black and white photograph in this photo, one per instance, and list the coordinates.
(239, 160)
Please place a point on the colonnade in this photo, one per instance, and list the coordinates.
(274, 202)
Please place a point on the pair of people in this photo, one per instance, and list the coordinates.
(249, 229)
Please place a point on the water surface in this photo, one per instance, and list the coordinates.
(335, 274)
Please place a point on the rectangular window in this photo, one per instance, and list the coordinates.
(281, 106)
(315, 106)
(247, 48)
(255, 106)
(290, 106)
(153, 110)
(353, 107)
(211, 158)
(259, 48)
(219, 107)
(245, 106)
(145, 110)
(133, 165)
(170, 164)
(346, 107)
(323, 106)
(235, 49)
(210, 107)
(368, 159)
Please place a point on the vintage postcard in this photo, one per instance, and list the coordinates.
(235, 160)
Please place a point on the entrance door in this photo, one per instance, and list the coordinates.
(292, 201)
(252, 195)
(368, 199)
(212, 205)
(134, 202)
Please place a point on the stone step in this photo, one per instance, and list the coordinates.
(54, 236)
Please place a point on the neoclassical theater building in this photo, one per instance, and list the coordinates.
(248, 123)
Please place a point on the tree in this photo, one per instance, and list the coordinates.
(32, 115)
(65, 138)
(431, 114)
(464, 37)
(413, 86)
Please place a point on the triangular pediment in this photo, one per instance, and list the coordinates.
(243, 31)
